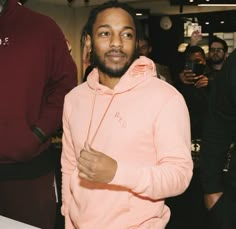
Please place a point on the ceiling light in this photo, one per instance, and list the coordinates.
(217, 5)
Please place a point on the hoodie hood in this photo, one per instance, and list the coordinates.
(141, 69)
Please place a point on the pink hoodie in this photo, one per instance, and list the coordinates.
(143, 124)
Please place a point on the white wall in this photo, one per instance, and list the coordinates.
(70, 20)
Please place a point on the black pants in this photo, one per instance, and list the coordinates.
(188, 210)
(223, 213)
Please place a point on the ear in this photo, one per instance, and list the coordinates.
(87, 49)
(226, 55)
(88, 43)
(149, 49)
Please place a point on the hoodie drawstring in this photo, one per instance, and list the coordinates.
(101, 121)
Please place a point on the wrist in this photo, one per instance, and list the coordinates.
(39, 133)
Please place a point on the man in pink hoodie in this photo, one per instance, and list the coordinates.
(126, 140)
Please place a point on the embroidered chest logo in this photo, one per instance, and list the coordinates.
(4, 41)
(120, 120)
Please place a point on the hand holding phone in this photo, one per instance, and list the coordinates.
(196, 68)
(197, 29)
(196, 35)
(187, 76)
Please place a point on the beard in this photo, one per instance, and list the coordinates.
(112, 72)
(214, 60)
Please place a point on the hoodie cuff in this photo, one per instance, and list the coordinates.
(126, 175)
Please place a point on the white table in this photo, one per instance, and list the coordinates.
(7, 223)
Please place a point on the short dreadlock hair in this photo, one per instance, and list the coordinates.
(107, 5)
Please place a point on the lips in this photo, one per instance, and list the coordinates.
(115, 56)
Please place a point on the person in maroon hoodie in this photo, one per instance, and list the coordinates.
(36, 71)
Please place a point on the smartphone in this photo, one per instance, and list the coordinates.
(196, 68)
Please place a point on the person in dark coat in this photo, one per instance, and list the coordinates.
(218, 134)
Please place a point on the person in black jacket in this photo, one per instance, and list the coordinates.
(194, 84)
(219, 132)
(188, 210)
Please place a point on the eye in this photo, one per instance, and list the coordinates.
(104, 34)
(127, 35)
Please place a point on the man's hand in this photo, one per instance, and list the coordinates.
(195, 38)
(188, 77)
(96, 166)
(211, 199)
(202, 81)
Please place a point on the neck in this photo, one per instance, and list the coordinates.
(217, 66)
(105, 80)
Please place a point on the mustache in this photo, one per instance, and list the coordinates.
(115, 52)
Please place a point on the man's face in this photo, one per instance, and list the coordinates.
(216, 54)
(197, 57)
(144, 48)
(113, 42)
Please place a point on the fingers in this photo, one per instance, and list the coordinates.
(201, 82)
(96, 166)
(86, 163)
(89, 157)
(83, 165)
(86, 155)
(187, 77)
(85, 170)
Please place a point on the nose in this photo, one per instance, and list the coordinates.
(116, 41)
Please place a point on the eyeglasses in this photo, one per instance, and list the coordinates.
(217, 50)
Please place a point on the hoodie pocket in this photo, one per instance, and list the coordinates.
(96, 200)
(18, 142)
